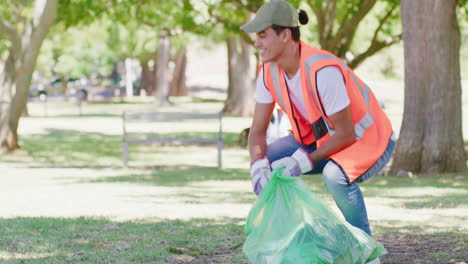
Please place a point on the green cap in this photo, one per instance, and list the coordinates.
(275, 12)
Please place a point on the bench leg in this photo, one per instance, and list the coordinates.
(125, 155)
(220, 147)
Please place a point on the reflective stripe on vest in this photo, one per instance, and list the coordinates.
(361, 126)
(276, 84)
(319, 127)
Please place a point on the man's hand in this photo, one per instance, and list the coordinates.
(295, 165)
(261, 172)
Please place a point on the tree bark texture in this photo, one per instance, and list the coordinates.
(147, 77)
(178, 87)
(431, 139)
(241, 89)
(16, 74)
(162, 71)
(8, 135)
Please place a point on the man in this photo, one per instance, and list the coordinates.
(338, 126)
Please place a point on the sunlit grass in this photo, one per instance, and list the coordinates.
(72, 147)
(64, 137)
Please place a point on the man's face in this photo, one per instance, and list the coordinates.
(270, 45)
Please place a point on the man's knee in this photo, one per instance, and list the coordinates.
(333, 176)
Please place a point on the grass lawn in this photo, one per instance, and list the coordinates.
(92, 211)
(95, 138)
(95, 240)
(419, 220)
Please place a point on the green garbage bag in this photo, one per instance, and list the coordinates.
(289, 225)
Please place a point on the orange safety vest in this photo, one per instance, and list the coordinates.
(372, 127)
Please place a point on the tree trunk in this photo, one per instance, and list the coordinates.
(8, 135)
(241, 88)
(147, 78)
(162, 71)
(178, 87)
(431, 139)
(15, 77)
(128, 78)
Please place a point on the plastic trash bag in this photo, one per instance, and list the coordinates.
(289, 225)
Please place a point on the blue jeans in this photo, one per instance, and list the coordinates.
(348, 196)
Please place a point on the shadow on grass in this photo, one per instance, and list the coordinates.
(84, 115)
(200, 196)
(73, 147)
(95, 240)
(430, 201)
(418, 192)
(206, 100)
(230, 139)
(98, 240)
(433, 181)
(178, 177)
(415, 244)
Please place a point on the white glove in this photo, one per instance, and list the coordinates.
(295, 165)
(261, 173)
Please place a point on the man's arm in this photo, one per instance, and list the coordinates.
(301, 161)
(258, 130)
(343, 137)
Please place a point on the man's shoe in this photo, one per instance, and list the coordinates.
(375, 261)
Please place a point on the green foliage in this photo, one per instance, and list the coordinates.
(172, 17)
(328, 27)
(76, 52)
(226, 17)
(14, 11)
(14, 14)
(367, 27)
(86, 59)
(4, 44)
(463, 9)
(137, 26)
(81, 12)
(352, 30)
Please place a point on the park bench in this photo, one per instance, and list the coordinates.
(154, 118)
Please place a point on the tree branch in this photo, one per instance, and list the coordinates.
(330, 12)
(245, 36)
(382, 22)
(10, 32)
(375, 47)
(349, 27)
(16, 10)
(320, 23)
(375, 44)
(44, 15)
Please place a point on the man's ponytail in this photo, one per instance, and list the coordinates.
(303, 17)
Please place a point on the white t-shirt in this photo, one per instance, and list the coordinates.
(330, 85)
